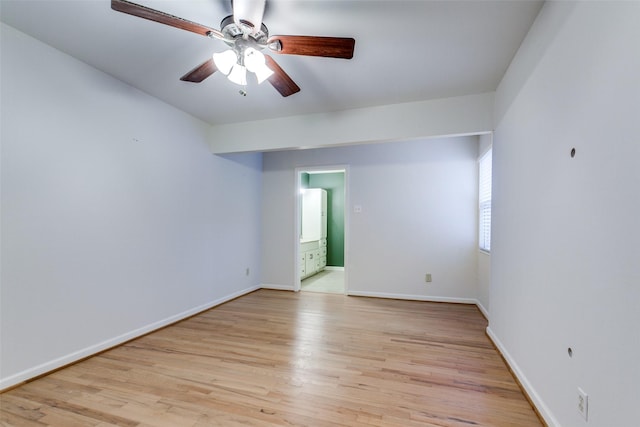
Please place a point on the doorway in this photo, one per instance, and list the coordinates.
(321, 255)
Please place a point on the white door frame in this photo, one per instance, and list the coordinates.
(296, 244)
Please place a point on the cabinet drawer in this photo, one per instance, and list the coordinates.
(302, 268)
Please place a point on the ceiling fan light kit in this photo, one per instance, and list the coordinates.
(238, 75)
(255, 62)
(244, 54)
(225, 61)
(246, 36)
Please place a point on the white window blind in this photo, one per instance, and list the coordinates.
(484, 198)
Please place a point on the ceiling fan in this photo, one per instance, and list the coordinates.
(246, 36)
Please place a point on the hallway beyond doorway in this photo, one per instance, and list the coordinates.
(327, 281)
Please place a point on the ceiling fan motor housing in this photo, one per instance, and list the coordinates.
(233, 31)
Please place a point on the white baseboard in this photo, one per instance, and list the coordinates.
(483, 310)
(52, 365)
(542, 409)
(333, 268)
(455, 300)
(393, 296)
(277, 287)
(412, 297)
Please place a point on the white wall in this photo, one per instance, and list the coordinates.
(419, 206)
(565, 245)
(115, 216)
(484, 258)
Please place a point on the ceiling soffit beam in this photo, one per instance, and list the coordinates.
(462, 115)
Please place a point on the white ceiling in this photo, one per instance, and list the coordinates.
(405, 50)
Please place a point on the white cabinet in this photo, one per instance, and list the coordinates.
(314, 214)
(311, 264)
(313, 239)
(313, 257)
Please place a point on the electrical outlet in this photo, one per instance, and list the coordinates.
(427, 277)
(583, 403)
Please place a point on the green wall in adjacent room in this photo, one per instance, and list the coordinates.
(334, 184)
(304, 180)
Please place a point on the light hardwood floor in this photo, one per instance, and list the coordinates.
(275, 358)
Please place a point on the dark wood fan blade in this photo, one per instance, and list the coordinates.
(279, 79)
(201, 72)
(331, 47)
(161, 17)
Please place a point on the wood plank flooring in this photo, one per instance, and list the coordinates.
(274, 358)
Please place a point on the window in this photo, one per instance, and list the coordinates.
(484, 199)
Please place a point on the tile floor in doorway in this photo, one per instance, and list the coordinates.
(327, 281)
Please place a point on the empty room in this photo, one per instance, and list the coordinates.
(478, 170)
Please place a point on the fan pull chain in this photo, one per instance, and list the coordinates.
(243, 91)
